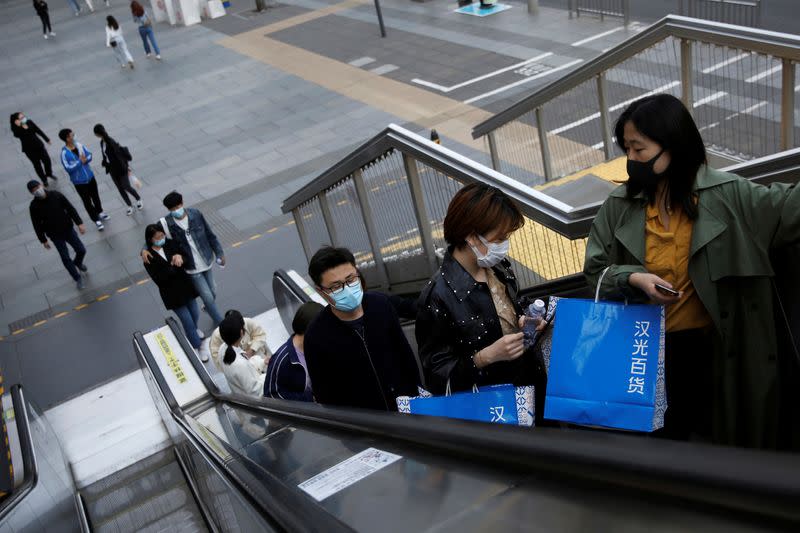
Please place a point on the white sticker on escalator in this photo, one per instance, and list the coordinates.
(347, 472)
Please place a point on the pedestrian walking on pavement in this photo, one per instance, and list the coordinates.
(44, 14)
(75, 7)
(76, 160)
(34, 149)
(55, 217)
(115, 40)
(145, 23)
(116, 159)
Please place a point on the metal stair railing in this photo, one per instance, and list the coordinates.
(739, 83)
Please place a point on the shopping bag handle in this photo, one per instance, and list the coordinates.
(447, 391)
(599, 283)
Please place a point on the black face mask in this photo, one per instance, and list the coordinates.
(642, 177)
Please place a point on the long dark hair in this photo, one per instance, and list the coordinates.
(112, 22)
(665, 120)
(230, 329)
(100, 130)
(13, 118)
(136, 9)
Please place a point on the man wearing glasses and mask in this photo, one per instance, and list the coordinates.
(356, 352)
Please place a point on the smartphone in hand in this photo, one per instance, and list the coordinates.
(666, 290)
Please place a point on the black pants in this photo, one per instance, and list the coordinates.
(72, 265)
(41, 164)
(124, 187)
(690, 385)
(91, 199)
(46, 28)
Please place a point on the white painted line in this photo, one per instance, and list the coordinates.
(754, 107)
(626, 103)
(711, 98)
(520, 82)
(725, 63)
(361, 61)
(444, 89)
(764, 74)
(598, 36)
(598, 146)
(714, 125)
(384, 69)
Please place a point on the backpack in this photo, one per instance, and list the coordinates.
(125, 153)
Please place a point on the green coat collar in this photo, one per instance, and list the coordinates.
(707, 227)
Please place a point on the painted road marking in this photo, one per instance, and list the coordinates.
(711, 98)
(520, 82)
(479, 78)
(725, 63)
(762, 75)
(361, 61)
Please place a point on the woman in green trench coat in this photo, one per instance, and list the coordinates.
(721, 375)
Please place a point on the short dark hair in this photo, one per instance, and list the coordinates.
(327, 258)
(173, 199)
(664, 119)
(64, 133)
(151, 230)
(304, 316)
(480, 208)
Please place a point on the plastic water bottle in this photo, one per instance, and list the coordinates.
(535, 313)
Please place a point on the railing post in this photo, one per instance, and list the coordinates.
(605, 124)
(369, 224)
(326, 216)
(533, 7)
(687, 81)
(787, 104)
(493, 151)
(543, 144)
(626, 12)
(421, 211)
(301, 230)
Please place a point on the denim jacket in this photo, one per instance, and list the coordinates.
(207, 243)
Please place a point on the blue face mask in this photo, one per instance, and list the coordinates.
(348, 299)
(160, 242)
(178, 213)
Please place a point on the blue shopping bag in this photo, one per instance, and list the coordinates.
(607, 365)
(496, 404)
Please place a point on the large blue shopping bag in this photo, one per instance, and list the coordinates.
(497, 404)
(607, 365)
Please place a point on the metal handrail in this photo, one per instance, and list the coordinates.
(29, 465)
(565, 219)
(781, 45)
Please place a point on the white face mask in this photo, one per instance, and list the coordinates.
(495, 252)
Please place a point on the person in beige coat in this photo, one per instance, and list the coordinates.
(253, 344)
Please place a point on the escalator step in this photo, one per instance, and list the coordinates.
(126, 475)
(174, 510)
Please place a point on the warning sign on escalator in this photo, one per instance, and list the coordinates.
(347, 472)
(172, 359)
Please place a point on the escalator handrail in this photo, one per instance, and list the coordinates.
(30, 466)
(781, 45)
(294, 511)
(291, 284)
(760, 482)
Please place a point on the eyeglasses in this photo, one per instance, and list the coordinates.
(351, 281)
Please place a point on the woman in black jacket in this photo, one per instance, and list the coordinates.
(115, 161)
(44, 14)
(177, 291)
(28, 134)
(469, 320)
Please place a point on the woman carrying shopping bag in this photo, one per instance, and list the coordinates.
(115, 40)
(141, 18)
(116, 162)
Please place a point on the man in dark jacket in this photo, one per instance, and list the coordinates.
(356, 352)
(54, 216)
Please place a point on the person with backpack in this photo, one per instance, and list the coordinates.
(43, 11)
(141, 18)
(115, 161)
(34, 149)
(115, 40)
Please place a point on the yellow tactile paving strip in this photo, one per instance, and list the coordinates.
(538, 248)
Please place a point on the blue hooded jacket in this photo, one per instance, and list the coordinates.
(79, 173)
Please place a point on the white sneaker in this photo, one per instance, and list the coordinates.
(123, 67)
(129, 211)
(139, 205)
(158, 56)
(148, 54)
(100, 226)
(45, 36)
(104, 216)
(204, 352)
(200, 333)
(52, 34)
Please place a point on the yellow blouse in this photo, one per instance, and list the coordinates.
(502, 303)
(667, 256)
